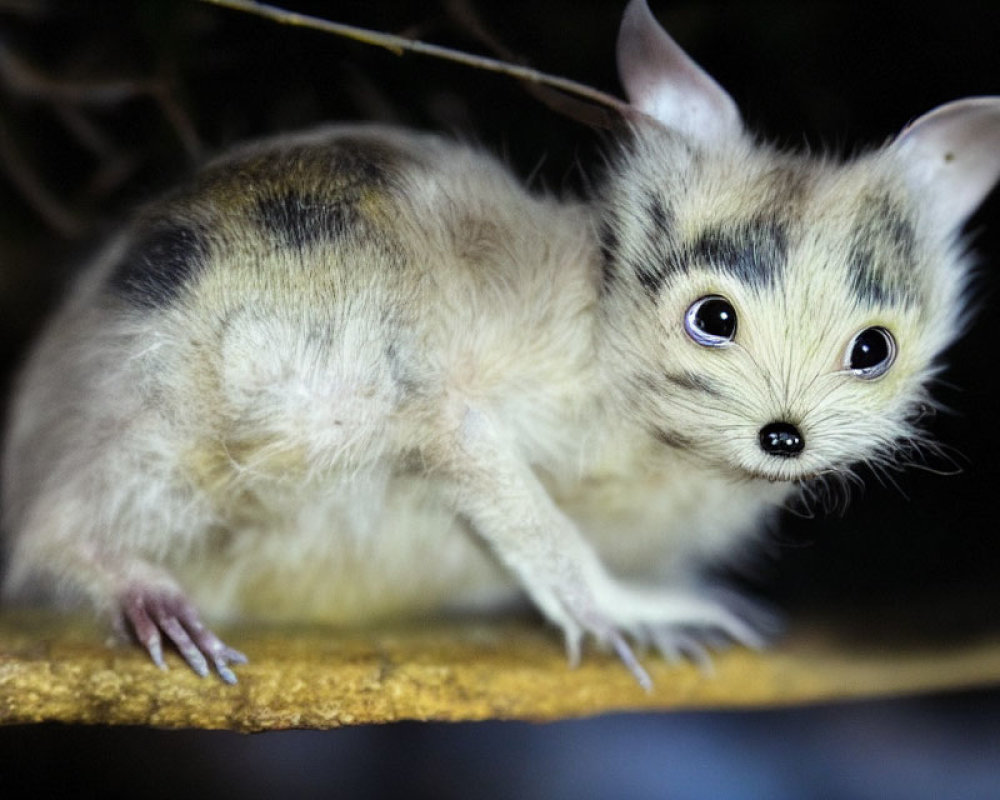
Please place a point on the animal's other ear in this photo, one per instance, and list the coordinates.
(663, 82)
(951, 158)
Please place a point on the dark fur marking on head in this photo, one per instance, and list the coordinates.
(651, 275)
(881, 254)
(160, 263)
(672, 439)
(658, 215)
(608, 243)
(692, 382)
(652, 272)
(784, 192)
(755, 253)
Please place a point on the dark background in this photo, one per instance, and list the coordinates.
(919, 558)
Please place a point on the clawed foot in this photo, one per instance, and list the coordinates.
(151, 613)
(679, 624)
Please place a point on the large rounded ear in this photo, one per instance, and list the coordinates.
(951, 158)
(663, 82)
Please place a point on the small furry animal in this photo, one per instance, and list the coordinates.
(361, 372)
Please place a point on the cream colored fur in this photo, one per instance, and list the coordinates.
(457, 399)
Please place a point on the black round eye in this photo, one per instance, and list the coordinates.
(711, 321)
(871, 353)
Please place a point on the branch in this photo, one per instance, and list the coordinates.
(400, 45)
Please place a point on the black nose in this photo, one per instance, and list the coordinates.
(781, 439)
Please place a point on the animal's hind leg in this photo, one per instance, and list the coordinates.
(142, 601)
(149, 613)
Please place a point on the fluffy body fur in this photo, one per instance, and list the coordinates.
(361, 372)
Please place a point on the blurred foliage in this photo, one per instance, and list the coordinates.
(192, 79)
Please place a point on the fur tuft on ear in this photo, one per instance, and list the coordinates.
(951, 158)
(662, 81)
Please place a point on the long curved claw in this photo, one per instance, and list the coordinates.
(153, 613)
(630, 661)
(682, 624)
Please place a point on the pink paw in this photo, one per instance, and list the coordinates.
(153, 612)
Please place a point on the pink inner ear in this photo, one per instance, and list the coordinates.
(662, 81)
(951, 157)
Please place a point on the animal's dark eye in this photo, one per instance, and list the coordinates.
(870, 353)
(711, 321)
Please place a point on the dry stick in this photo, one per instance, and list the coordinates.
(21, 77)
(178, 119)
(465, 15)
(55, 214)
(400, 45)
(463, 12)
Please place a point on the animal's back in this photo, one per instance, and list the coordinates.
(249, 361)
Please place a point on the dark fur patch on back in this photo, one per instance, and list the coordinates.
(299, 220)
(160, 263)
(881, 254)
(370, 160)
(313, 193)
(343, 161)
(299, 194)
(304, 193)
(754, 253)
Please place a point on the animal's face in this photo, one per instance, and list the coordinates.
(784, 314)
(779, 316)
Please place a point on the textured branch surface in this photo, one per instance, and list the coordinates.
(56, 669)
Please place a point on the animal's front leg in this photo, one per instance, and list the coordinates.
(500, 495)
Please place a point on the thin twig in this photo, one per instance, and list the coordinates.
(55, 214)
(111, 174)
(20, 77)
(463, 12)
(178, 118)
(83, 129)
(400, 45)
